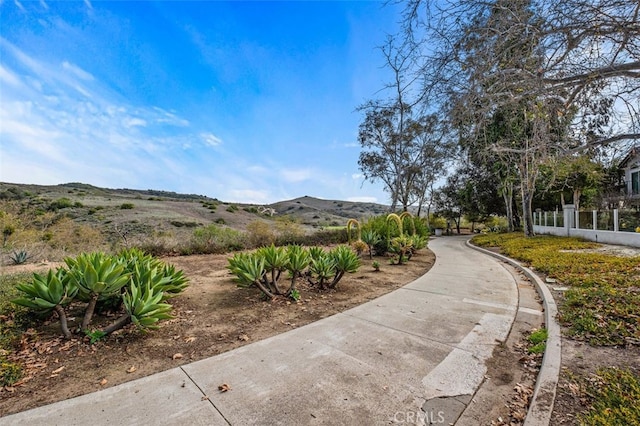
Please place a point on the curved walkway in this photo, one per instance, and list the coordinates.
(412, 356)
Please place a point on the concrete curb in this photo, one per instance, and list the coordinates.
(544, 395)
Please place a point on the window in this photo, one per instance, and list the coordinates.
(635, 183)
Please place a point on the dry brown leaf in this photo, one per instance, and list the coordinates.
(177, 356)
(243, 337)
(57, 370)
(131, 369)
(189, 339)
(103, 382)
(224, 387)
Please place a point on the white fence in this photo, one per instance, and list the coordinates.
(609, 227)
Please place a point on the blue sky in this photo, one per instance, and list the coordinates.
(242, 101)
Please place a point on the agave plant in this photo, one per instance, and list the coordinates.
(46, 293)
(249, 270)
(344, 260)
(322, 269)
(276, 261)
(97, 276)
(163, 278)
(359, 246)
(417, 243)
(19, 257)
(371, 238)
(316, 252)
(299, 260)
(144, 306)
(401, 246)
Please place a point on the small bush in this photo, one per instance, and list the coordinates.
(289, 231)
(259, 234)
(179, 224)
(232, 208)
(214, 239)
(127, 206)
(60, 203)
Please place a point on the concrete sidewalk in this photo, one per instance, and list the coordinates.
(412, 355)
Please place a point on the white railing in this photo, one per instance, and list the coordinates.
(610, 227)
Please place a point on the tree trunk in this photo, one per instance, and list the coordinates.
(88, 314)
(117, 324)
(576, 198)
(507, 196)
(527, 213)
(336, 278)
(264, 289)
(62, 316)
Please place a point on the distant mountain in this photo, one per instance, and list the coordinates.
(148, 211)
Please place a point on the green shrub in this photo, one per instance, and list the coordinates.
(60, 203)
(232, 208)
(259, 234)
(127, 206)
(214, 239)
(289, 231)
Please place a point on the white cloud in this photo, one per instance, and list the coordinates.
(19, 5)
(77, 71)
(210, 139)
(298, 175)
(357, 176)
(133, 122)
(88, 4)
(166, 117)
(363, 199)
(54, 134)
(44, 5)
(8, 77)
(352, 145)
(249, 196)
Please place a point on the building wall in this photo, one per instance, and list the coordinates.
(632, 166)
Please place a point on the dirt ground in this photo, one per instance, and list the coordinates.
(212, 316)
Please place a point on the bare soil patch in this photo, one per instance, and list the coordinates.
(212, 316)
